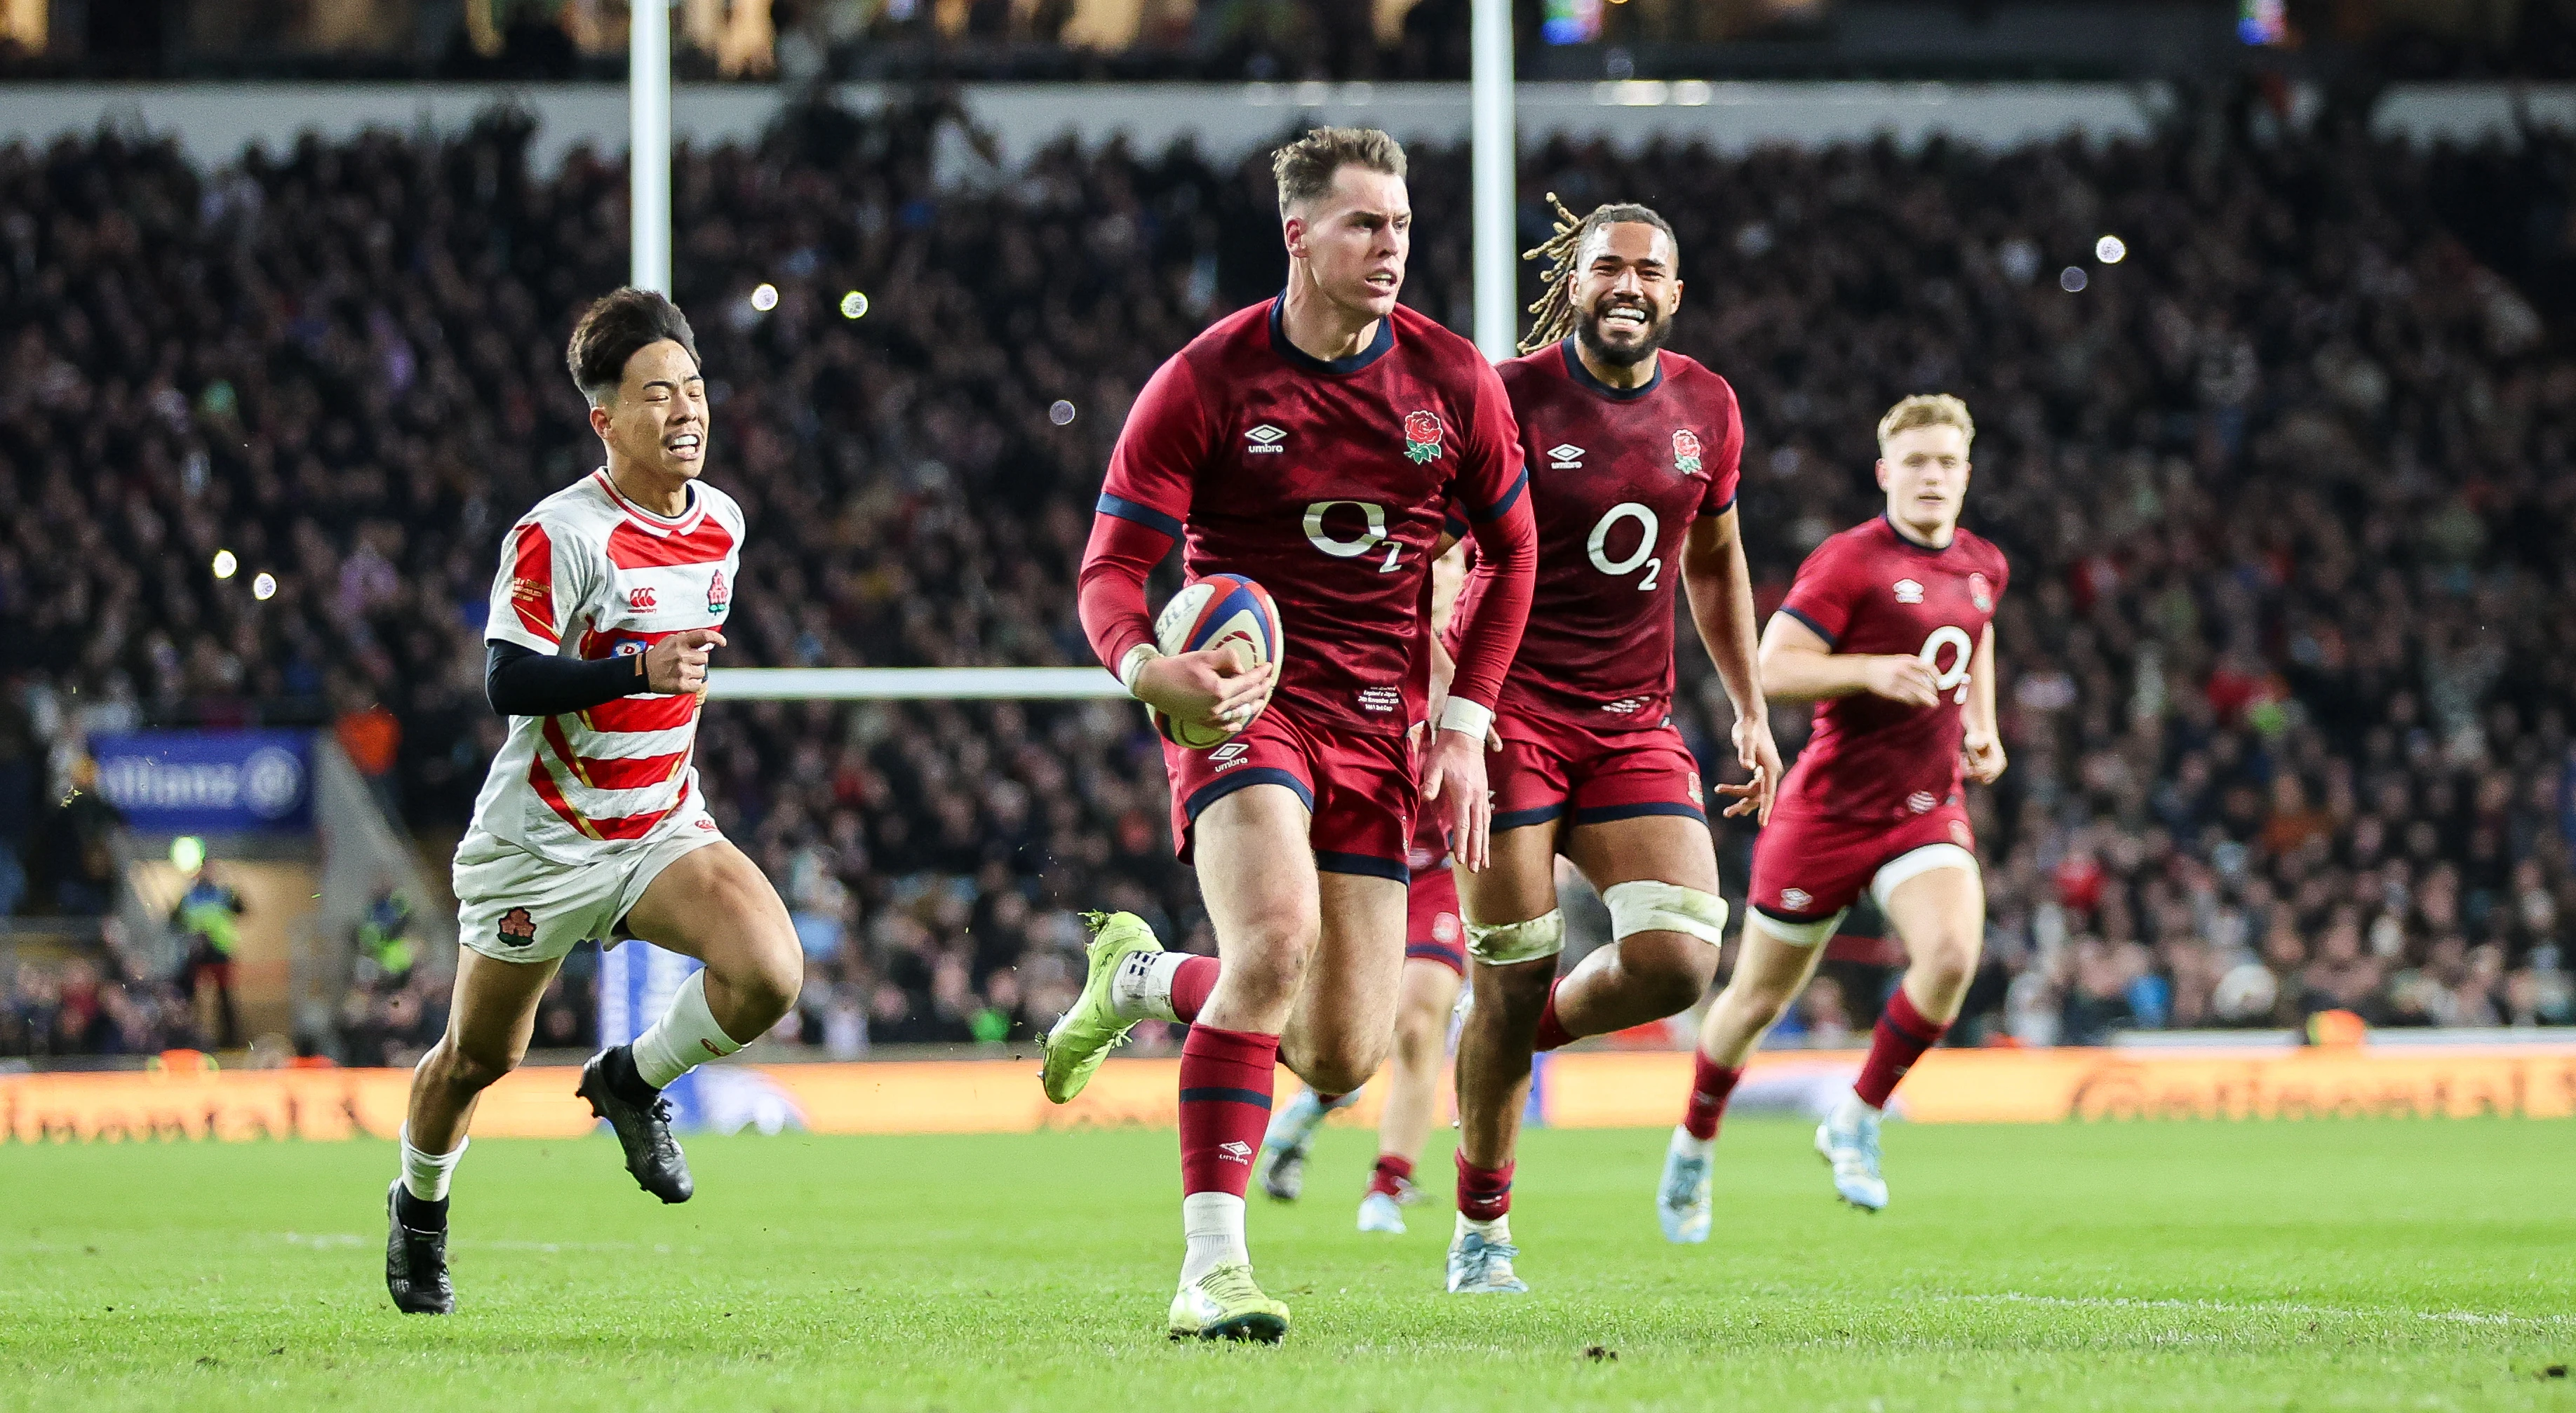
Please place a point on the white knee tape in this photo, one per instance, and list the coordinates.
(1501, 944)
(1648, 906)
(1913, 864)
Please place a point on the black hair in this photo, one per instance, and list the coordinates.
(614, 329)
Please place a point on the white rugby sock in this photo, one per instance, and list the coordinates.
(1213, 1222)
(1142, 989)
(1852, 1111)
(685, 1037)
(425, 1175)
(1497, 1232)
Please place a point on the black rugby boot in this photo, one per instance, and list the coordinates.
(416, 1256)
(642, 1118)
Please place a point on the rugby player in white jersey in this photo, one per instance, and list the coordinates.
(609, 599)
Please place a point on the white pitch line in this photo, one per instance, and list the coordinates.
(2221, 1307)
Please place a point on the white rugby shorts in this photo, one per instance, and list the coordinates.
(514, 906)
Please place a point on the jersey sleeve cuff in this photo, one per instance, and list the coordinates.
(1473, 718)
(511, 631)
(1813, 626)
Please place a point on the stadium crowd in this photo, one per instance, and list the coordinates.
(2287, 658)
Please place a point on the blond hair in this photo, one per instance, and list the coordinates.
(1927, 410)
(1555, 309)
(1305, 168)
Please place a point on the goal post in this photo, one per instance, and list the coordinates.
(878, 684)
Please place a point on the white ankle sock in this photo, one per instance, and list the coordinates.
(1687, 1146)
(685, 1037)
(1497, 1232)
(1213, 1222)
(1142, 989)
(1850, 1112)
(425, 1175)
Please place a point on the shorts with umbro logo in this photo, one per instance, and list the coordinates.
(1551, 768)
(1808, 870)
(1358, 787)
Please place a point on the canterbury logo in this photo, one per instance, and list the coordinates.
(1236, 1151)
(640, 600)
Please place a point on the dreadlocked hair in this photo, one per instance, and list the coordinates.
(1555, 309)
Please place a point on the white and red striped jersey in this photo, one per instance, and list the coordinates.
(591, 574)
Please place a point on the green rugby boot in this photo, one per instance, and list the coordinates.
(1079, 1040)
(1226, 1304)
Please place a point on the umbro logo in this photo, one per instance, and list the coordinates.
(1235, 1151)
(1907, 591)
(1794, 898)
(1228, 756)
(1565, 456)
(1265, 438)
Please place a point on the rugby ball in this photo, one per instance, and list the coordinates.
(1219, 611)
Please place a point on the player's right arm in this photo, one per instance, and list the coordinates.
(1143, 506)
(1799, 663)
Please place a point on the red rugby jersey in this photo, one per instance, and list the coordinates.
(1616, 478)
(1871, 590)
(1326, 482)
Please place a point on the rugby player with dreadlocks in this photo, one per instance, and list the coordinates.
(1632, 454)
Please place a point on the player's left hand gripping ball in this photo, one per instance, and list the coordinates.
(1234, 619)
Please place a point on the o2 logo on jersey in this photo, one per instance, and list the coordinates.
(1597, 544)
(1956, 674)
(1686, 452)
(1372, 533)
(639, 600)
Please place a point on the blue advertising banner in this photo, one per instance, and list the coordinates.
(208, 782)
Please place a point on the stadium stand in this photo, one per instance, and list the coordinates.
(2288, 657)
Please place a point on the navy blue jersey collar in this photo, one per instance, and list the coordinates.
(1583, 378)
(1300, 359)
(1909, 542)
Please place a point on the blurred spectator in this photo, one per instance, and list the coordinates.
(204, 920)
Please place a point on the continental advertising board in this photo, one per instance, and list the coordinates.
(1574, 1090)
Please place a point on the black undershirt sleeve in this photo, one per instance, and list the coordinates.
(522, 683)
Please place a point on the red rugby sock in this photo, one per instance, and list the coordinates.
(1551, 1031)
(1192, 980)
(1390, 1174)
(1483, 1193)
(1901, 1037)
(1225, 1104)
(1711, 1082)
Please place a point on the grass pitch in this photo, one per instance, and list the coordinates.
(2334, 1264)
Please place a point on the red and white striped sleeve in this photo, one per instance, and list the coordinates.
(540, 587)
